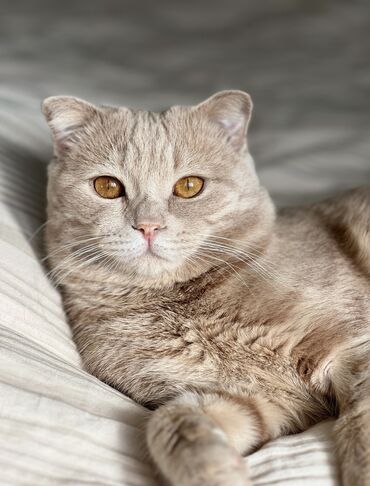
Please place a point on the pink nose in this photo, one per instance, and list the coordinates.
(149, 230)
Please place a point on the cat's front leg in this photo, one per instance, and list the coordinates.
(199, 439)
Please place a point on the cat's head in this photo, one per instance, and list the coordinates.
(151, 195)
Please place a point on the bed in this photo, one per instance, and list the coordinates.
(310, 81)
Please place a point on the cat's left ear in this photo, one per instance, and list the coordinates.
(231, 112)
(65, 116)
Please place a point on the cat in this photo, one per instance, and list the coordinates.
(187, 290)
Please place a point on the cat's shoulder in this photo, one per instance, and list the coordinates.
(344, 210)
(343, 219)
(335, 228)
(355, 202)
(347, 216)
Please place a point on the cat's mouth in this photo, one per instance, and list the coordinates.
(150, 262)
(151, 253)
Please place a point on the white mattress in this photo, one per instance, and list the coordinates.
(310, 82)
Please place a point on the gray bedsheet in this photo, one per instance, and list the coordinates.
(306, 64)
(307, 67)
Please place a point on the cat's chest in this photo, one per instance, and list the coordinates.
(154, 352)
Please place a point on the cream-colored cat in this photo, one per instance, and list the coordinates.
(187, 291)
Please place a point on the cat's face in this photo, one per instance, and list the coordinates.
(146, 193)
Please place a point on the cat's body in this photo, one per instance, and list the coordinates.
(264, 335)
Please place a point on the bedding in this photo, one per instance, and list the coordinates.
(310, 137)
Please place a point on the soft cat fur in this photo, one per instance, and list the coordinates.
(250, 323)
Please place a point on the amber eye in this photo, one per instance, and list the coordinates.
(188, 187)
(109, 187)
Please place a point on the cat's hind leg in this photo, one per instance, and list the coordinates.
(352, 430)
(199, 439)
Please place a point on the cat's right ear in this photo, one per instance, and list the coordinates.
(65, 116)
(230, 111)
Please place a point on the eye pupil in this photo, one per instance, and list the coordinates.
(109, 187)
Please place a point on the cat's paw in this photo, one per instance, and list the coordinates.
(217, 465)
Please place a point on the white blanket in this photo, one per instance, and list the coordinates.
(308, 70)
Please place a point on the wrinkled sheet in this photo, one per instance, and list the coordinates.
(307, 67)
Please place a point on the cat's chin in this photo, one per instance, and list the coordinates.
(152, 265)
(152, 270)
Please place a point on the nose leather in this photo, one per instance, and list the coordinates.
(149, 230)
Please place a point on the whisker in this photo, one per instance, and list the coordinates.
(252, 249)
(230, 266)
(252, 261)
(248, 257)
(233, 240)
(196, 259)
(70, 245)
(244, 245)
(73, 257)
(37, 231)
(75, 268)
(249, 260)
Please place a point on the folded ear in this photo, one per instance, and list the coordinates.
(65, 115)
(231, 111)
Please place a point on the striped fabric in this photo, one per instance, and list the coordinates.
(59, 425)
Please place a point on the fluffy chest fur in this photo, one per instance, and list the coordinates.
(208, 335)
